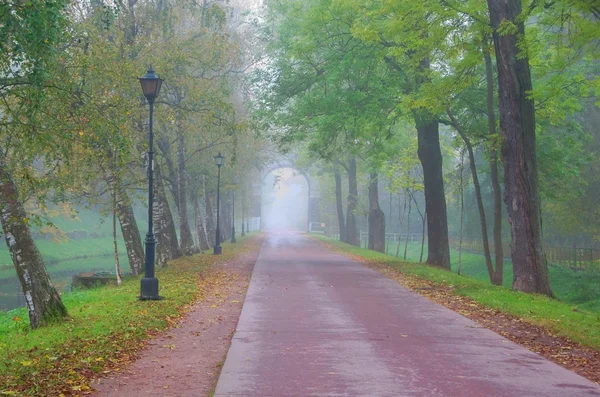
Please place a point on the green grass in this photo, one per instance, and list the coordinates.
(559, 317)
(580, 288)
(107, 325)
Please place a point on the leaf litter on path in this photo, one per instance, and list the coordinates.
(583, 360)
(188, 358)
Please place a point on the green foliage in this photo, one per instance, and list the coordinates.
(323, 86)
(30, 31)
(73, 123)
(428, 58)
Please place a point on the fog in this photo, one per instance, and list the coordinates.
(284, 200)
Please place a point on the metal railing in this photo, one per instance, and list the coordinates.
(574, 256)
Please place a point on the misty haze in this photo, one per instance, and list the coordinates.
(292, 198)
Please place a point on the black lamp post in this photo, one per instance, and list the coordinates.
(149, 284)
(219, 160)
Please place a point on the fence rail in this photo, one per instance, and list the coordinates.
(575, 257)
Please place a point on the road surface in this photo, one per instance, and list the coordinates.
(315, 323)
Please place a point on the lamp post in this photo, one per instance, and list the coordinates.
(149, 285)
(219, 160)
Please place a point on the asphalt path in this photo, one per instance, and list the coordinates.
(315, 323)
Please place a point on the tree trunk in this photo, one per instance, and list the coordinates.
(493, 155)
(131, 32)
(407, 224)
(482, 218)
(517, 124)
(387, 248)
(340, 205)
(130, 231)
(366, 227)
(185, 234)
(400, 221)
(430, 156)
(462, 208)
(200, 231)
(376, 217)
(43, 301)
(164, 146)
(114, 232)
(423, 220)
(167, 247)
(225, 218)
(243, 212)
(352, 234)
(210, 216)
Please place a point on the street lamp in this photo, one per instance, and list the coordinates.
(149, 285)
(219, 160)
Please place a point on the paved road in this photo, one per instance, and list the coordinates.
(315, 323)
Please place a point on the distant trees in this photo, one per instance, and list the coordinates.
(345, 74)
(73, 125)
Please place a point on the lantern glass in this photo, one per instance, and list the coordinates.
(219, 160)
(151, 84)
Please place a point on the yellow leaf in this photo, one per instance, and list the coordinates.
(26, 363)
(99, 359)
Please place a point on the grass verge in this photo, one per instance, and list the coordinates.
(580, 287)
(557, 317)
(108, 325)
